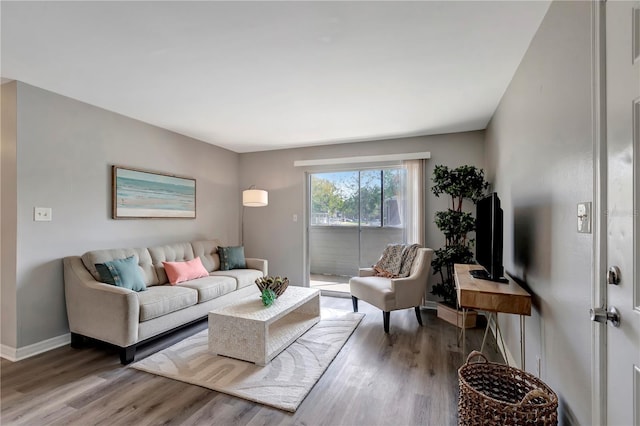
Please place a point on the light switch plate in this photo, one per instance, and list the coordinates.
(42, 214)
(584, 218)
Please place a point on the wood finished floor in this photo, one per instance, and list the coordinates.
(408, 377)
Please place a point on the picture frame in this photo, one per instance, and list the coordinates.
(144, 194)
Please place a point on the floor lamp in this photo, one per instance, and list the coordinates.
(252, 197)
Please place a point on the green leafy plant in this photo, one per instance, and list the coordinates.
(464, 182)
(268, 297)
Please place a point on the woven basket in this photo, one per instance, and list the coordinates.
(496, 394)
(277, 284)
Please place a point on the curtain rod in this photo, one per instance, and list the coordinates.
(363, 159)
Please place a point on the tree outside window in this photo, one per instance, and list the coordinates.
(371, 198)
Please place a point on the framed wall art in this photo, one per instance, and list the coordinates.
(140, 194)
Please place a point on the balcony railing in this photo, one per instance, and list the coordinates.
(341, 250)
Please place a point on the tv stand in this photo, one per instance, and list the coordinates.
(492, 298)
(484, 275)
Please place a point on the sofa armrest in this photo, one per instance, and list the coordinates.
(366, 272)
(99, 310)
(259, 264)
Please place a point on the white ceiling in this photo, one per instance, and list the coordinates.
(253, 76)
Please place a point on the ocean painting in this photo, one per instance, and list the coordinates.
(140, 194)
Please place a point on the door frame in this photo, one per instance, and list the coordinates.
(598, 281)
(306, 213)
(350, 168)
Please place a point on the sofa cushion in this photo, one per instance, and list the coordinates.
(90, 259)
(163, 299)
(123, 273)
(243, 277)
(211, 287)
(207, 251)
(178, 272)
(232, 258)
(178, 252)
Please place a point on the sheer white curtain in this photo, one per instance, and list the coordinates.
(415, 202)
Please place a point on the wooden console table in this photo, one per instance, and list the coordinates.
(494, 298)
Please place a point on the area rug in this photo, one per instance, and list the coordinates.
(283, 383)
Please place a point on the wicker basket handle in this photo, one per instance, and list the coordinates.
(535, 393)
(476, 354)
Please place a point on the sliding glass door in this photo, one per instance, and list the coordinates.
(353, 216)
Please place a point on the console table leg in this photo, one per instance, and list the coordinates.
(522, 351)
(464, 332)
(498, 331)
(486, 330)
(461, 332)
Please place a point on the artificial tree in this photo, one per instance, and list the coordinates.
(464, 182)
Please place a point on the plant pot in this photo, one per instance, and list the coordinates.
(454, 316)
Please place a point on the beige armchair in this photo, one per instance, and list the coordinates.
(390, 294)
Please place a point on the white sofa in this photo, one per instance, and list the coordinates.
(126, 318)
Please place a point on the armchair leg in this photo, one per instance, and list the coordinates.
(417, 308)
(385, 319)
(354, 300)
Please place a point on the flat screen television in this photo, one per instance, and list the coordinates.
(489, 239)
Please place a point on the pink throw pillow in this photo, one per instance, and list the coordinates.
(178, 272)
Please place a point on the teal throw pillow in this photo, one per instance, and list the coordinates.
(232, 258)
(122, 273)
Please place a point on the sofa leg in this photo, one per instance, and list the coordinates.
(354, 300)
(385, 319)
(77, 340)
(417, 308)
(127, 354)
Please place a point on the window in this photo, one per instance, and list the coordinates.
(368, 198)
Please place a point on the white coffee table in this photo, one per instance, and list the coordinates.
(250, 331)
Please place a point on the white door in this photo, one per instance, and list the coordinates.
(623, 202)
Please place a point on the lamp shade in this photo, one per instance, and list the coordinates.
(255, 198)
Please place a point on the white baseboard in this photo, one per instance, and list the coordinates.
(430, 304)
(339, 294)
(8, 352)
(18, 354)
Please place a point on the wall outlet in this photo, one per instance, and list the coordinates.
(42, 214)
(295, 217)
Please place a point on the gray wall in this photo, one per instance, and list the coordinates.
(539, 153)
(270, 231)
(65, 150)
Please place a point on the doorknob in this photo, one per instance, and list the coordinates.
(613, 275)
(601, 315)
